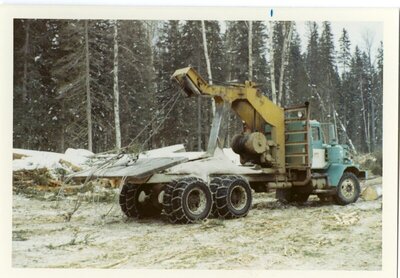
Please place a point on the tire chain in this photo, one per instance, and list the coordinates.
(167, 201)
(172, 200)
(221, 197)
(132, 209)
(214, 184)
(122, 199)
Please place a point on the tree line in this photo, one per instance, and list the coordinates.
(105, 84)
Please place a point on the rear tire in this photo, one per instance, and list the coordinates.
(284, 195)
(290, 195)
(137, 208)
(191, 201)
(348, 189)
(122, 199)
(167, 201)
(300, 197)
(325, 198)
(214, 184)
(233, 197)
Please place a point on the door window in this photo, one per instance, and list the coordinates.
(315, 134)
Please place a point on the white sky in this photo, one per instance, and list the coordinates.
(356, 31)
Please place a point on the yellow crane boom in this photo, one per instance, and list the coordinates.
(255, 109)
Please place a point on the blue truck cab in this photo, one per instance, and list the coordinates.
(315, 161)
(332, 166)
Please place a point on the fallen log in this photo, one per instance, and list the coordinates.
(70, 165)
(18, 156)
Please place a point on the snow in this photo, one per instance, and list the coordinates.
(220, 163)
(163, 151)
(234, 157)
(49, 160)
(172, 151)
(77, 156)
(224, 161)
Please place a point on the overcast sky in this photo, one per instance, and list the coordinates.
(356, 32)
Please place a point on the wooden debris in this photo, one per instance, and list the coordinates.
(70, 165)
(347, 219)
(372, 192)
(18, 156)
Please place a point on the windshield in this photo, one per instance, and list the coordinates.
(328, 133)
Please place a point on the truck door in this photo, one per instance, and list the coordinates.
(318, 151)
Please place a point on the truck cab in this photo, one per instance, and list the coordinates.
(312, 147)
(334, 163)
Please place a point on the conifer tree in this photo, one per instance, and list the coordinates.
(297, 89)
(344, 56)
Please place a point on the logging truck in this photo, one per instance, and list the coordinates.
(280, 149)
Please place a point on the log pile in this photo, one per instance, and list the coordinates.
(37, 180)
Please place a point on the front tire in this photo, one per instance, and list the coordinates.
(348, 189)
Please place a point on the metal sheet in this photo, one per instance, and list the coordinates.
(143, 167)
(219, 127)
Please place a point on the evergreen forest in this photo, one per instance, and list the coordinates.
(104, 85)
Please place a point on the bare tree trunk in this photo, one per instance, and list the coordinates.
(26, 52)
(368, 39)
(88, 97)
(151, 27)
(345, 132)
(335, 123)
(373, 134)
(250, 51)
(116, 90)
(25, 76)
(364, 116)
(62, 141)
(285, 58)
(208, 63)
(272, 61)
(338, 118)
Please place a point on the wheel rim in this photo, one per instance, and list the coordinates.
(196, 201)
(142, 196)
(348, 188)
(238, 197)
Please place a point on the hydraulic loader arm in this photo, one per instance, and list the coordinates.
(255, 109)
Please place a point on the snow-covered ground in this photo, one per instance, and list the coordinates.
(272, 236)
(314, 236)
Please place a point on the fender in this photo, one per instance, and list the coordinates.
(336, 170)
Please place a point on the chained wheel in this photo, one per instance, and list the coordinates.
(233, 197)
